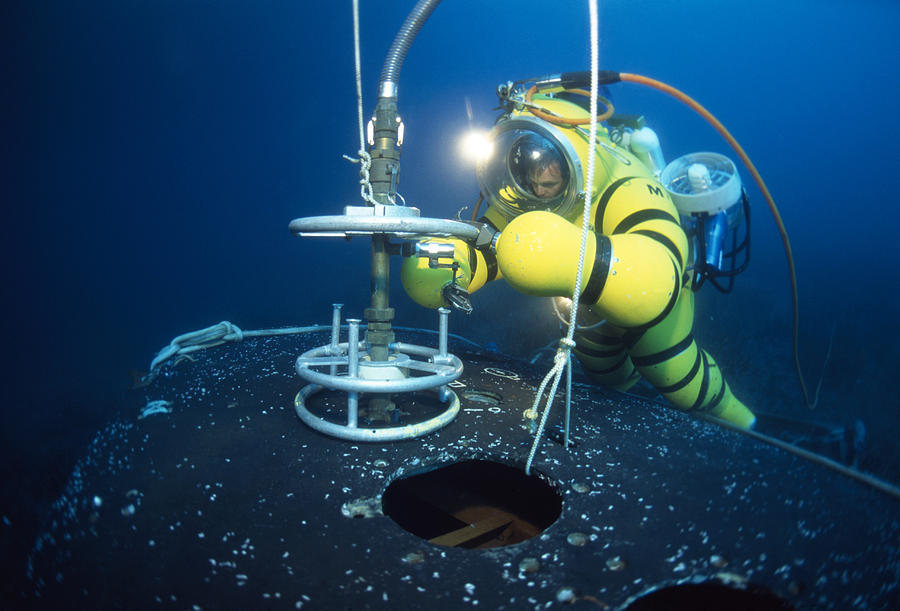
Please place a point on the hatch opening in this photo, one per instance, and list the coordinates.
(474, 504)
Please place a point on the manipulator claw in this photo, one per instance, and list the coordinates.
(457, 297)
(437, 272)
(454, 295)
(443, 272)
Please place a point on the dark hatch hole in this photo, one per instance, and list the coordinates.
(482, 397)
(710, 596)
(475, 504)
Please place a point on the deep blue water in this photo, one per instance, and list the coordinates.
(157, 150)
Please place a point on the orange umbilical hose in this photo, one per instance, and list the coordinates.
(477, 207)
(538, 112)
(637, 78)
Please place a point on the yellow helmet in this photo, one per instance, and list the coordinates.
(524, 146)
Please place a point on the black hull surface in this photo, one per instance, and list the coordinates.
(230, 501)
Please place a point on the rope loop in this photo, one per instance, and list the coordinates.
(234, 332)
(566, 343)
(365, 188)
(365, 163)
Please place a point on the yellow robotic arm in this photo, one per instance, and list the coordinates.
(634, 264)
(445, 271)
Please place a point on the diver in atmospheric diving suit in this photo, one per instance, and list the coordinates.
(637, 264)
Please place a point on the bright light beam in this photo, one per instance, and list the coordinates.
(476, 146)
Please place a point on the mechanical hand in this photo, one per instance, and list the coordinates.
(439, 274)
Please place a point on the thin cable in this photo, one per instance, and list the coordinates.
(364, 159)
(563, 357)
(865, 478)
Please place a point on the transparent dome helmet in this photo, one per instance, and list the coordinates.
(533, 167)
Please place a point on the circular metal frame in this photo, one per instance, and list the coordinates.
(441, 368)
(394, 433)
(406, 227)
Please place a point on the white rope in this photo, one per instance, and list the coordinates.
(364, 159)
(564, 352)
(225, 332)
(216, 335)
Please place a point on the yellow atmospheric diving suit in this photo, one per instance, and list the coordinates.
(636, 273)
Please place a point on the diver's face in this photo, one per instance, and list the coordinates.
(547, 182)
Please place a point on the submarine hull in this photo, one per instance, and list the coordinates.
(230, 501)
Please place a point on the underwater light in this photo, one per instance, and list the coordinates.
(476, 146)
(562, 306)
(563, 303)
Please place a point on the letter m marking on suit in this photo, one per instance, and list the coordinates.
(654, 190)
